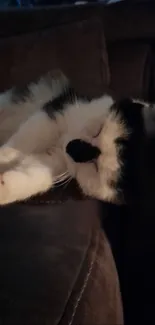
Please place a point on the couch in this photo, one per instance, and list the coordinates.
(67, 259)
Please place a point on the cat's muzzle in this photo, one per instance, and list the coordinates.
(81, 151)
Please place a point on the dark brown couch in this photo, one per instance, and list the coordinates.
(56, 263)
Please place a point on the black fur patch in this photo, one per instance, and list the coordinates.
(20, 94)
(131, 113)
(81, 151)
(131, 150)
(58, 104)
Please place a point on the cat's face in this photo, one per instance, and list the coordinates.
(99, 157)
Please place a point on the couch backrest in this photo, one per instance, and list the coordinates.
(78, 48)
(130, 36)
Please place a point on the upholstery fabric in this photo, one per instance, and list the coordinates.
(130, 66)
(56, 263)
(56, 266)
(69, 47)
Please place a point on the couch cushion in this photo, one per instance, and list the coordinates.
(76, 48)
(56, 266)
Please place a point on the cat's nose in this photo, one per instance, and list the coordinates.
(81, 151)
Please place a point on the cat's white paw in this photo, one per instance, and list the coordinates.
(22, 182)
(8, 158)
(5, 188)
(12, 187)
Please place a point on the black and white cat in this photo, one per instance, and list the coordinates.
(49, 134)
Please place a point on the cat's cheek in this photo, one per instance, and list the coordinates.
(96, 142)
(71, 166)
(56, 160)
(88, 179)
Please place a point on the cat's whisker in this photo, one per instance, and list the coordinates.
(66, 181)
(61, 179)
(63, 174)
(58, 180)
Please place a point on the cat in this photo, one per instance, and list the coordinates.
(49, 134)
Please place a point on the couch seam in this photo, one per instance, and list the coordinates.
(104, 67)
(78, 300)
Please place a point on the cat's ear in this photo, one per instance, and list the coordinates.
(131, 111)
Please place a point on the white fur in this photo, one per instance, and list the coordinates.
(12, 114)
(31, 176)
(97, 182)
(26, 133)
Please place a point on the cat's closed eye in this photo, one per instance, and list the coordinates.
(98, 132)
